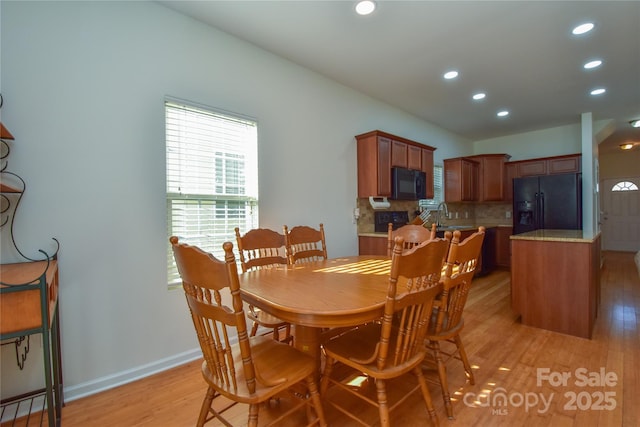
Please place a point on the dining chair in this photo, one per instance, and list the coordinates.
(392, 347)
(447, 320)
(263, 248)
(249, 370)
(411, 233)
(305, 244)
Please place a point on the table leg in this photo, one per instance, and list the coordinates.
(307, 340)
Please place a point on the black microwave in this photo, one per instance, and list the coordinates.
(408, 184)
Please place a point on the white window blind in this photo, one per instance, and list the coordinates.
(212, 177)
(438, 189)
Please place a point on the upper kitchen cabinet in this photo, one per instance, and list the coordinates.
(510, 172)
(379, 151)
(571, 163)
(533, 167)
(548, 165)
(461, 180)
(491, 176)
(564, 164)
(398, 154)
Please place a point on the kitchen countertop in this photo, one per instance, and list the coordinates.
(576, 236)
(374, 234)
(457, 227)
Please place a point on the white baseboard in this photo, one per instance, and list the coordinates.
(110, 381)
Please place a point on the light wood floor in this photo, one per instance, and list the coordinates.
(506, 356)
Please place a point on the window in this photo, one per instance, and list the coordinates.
(212, 177)
(438, 190)
(625, 186)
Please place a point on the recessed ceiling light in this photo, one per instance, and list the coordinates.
(598, 91)
(583, 28)
(626, 146)
(635, 123)
(450, 75)
(503, 113)
(593, 64)
(479, 96)
(365, 7)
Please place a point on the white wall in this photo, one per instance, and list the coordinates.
(590, 195)
(620, 164)
(556, 141)
(83, 85)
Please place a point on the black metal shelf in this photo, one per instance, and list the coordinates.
(29, 292)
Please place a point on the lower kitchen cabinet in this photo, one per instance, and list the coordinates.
(372, 245)
(487, 260)
(377, 244)
(503, 246)
(555, 280)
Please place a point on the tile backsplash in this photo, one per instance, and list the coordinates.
(493, 213)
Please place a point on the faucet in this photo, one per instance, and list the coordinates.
(445, 210)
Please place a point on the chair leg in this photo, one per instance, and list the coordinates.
(287, 337)
(326, 375)
(253, 415)
(383, 405)
(254, 329)
(426, 395)
(442, 374)
(206, 406)
(465, 361)
(315, 399)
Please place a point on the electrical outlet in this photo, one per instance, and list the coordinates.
(508, 214)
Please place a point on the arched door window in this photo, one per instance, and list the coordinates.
(624, 186)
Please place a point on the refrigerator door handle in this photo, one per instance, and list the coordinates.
(536, 212)
(541, 210)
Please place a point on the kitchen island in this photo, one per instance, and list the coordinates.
(555, 280)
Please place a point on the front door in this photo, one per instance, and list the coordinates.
(621, 214)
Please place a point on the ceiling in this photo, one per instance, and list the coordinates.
(520, 53)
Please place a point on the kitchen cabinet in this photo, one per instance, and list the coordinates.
(379, 151)
(571, 163)
(533, 167)
(510, 172)
(427, 168)
(373, 245)
(555, 280)
(374, 166)
(460, 180)
(487, 259)
(503, 246)
(398, 154)
(565, 164)
(491, 176)
(414, 158)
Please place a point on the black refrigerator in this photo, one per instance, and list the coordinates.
(548, 201)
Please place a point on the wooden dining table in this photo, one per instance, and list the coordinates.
(338, 292)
